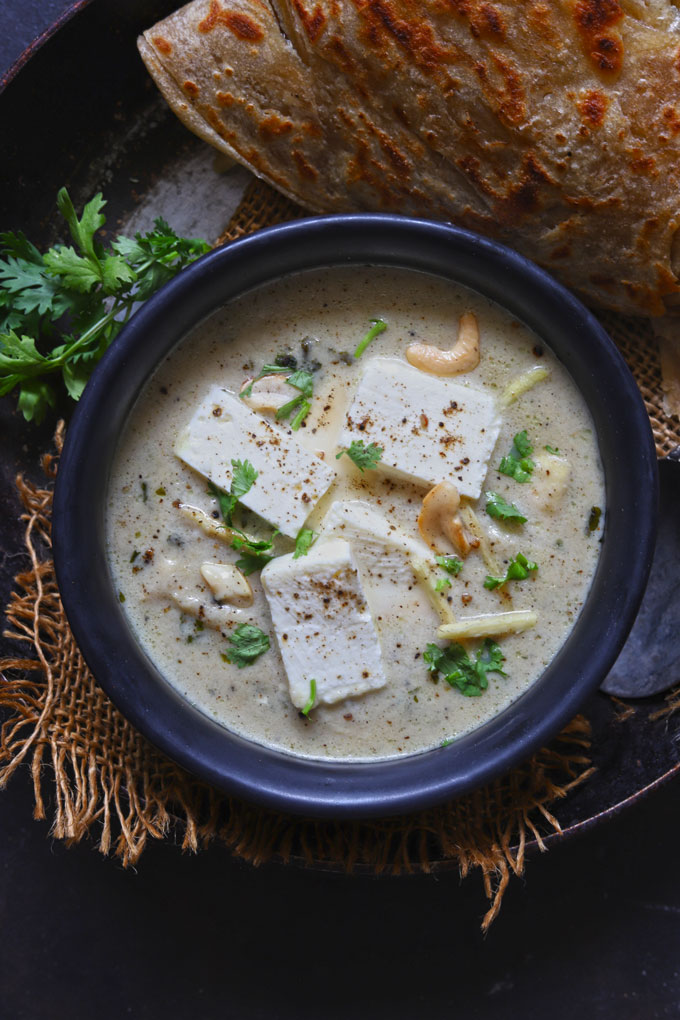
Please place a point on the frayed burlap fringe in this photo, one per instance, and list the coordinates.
(107, 781)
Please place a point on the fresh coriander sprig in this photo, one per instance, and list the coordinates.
(243, 477)
(247, 644)
(60, 311)
(304, 542)
(518, 463)
(378, 326)
(451, 564)
(363, 456)
(519, 569)
(498, 507)
(467, 675)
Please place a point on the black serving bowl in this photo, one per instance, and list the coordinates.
(355, 789)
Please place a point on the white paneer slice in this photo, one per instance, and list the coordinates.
(290, 479)
(388, 558)
(430, 428)
(322, 624)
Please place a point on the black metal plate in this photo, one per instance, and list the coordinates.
(82, 112)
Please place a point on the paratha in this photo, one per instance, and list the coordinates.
(551, 125)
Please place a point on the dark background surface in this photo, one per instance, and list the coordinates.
(593, 930)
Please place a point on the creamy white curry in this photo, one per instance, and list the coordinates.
(356, 556)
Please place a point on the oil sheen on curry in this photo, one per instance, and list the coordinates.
(355, 513)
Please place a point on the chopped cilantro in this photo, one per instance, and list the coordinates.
(441, 583)
(304, 382)
(297, 421)
(304, 542)
(518, 463)
(499, 508)
(467, 675)
(254, 553)
(451, 564)
(518, 570)
(312, 698)
(379, 326)
(551, 449)
(242, 479)
(145, 491)
(247, 643)
(362, 455)
(594, 518)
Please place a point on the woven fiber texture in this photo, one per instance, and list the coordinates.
(108, 782)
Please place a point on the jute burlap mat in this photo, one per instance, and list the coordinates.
(108, 782)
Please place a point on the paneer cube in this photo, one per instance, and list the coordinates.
(431, 429)
(322, 624)
(290, 481)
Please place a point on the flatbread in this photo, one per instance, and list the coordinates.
(551, 125)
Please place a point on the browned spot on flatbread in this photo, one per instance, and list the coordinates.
(511, 99)
(592, 106)
(313, 23)
(191, 88)
(596, 21)
(417, 38)
(671, 119)
(162, 45)
(275, 125)
(225, 99)
(243, 26)
(642, 164)
(304, 168)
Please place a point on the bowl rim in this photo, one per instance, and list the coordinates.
(331, 788)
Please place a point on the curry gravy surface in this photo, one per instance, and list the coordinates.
(150, 539)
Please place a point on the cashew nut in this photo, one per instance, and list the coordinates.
(461, 358)
(227, 583)
(210, 525)
(269, 393)
(439, 518)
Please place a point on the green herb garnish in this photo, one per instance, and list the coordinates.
(247, 643)
(552, 449)
(304, 542)
(518, 463)
(468, 675)
(59, 311)
(379, 326)
(255, 553)
(441, 583)
(499, 508)
(362, 455)
(304, 382)
(312, 698)
(451, 564)
(594, 518)
(242, 479)
(518, 570)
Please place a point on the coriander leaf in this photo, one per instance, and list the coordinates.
(594, 518)
(518, 463)
(266, 370)
(379, 326)
(304, 542)
(225, 500)
(255, 553)
(467, 675)
(35, 397)
(552, 449)
(522, 444)
(441, 583)
(83, 229)
(312, 698)
(519, 569)
(303, 381)
(362, 455)
(247, 643)
(499, 508)
(286, 409)
(242, 479)
(297, 421)
(78, 273)
(451, 564)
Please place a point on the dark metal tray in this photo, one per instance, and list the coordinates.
(79, 109)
